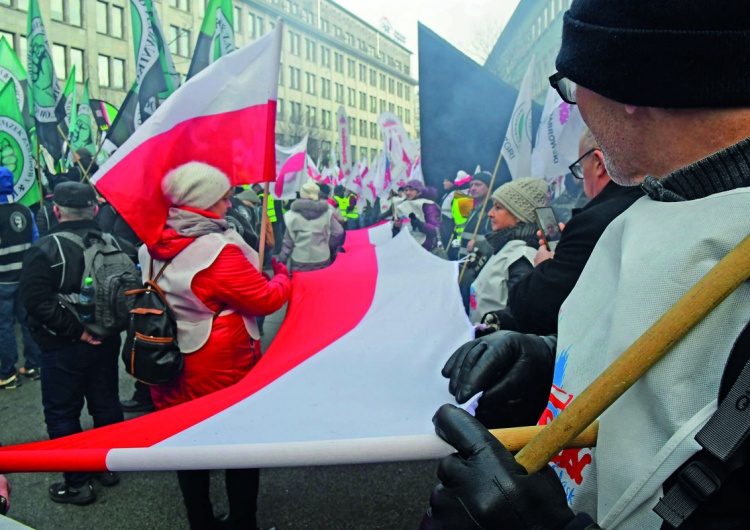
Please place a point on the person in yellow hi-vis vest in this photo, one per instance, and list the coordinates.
(348, 206)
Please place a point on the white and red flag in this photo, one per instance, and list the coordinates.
(291, 170)
(225, 116)
(312, 170)
(361, 388)
(399, 148)
(346, 163)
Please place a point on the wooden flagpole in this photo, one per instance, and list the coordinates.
(721, 281)
(481, 213)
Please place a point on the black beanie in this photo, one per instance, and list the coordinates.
(666, 53)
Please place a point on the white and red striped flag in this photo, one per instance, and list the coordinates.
(225, 116)
(291, 170)
(361, 388)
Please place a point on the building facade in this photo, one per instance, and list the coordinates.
(534, 30)
(330, 57)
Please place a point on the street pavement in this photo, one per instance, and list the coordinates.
(351, 497)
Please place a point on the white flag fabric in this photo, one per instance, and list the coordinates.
(312, 170)
(362, 388)
(355, 182)
(557, 137)
(291, 170)
(517, 144)
(399, 148)
(346, 163)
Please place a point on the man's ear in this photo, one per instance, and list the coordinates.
(56, 211)
(599, 167)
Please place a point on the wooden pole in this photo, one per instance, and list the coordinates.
(516, 438)
(655, 343)
(84, 171)
(481, 213)
(264, 216)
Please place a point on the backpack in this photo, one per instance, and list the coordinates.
(113, 273)
(151, 353)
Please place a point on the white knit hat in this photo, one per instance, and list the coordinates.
(521, 196)
(309, 190)
(195, 184)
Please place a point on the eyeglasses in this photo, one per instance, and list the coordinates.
(564, 86)
(576, 167)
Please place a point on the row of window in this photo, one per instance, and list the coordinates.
(310, 118)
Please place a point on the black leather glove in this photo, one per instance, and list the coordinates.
(482, 486)
(416, 224)
(512, 369)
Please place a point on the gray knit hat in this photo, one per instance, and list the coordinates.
(309, 190)
(195, 184)
(521, 196)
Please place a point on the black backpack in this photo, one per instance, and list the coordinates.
(113, 274)
(151, 353)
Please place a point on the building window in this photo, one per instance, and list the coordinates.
(294, 78)
(58, 60)
(325, 25)
(183, 5)
(362, 101)
(400, 89)
(296, 116)
(118, 73)
(251, 26)
(311, 82)
(325, 88)
(76, 59)
(391, 107)
(351, 97)
(102, 17)
(391, 85)
(400, 112)
(373, 153)
(104, 71)
(363, 128)
(179, 41)
(280, 109)
(116, 26)
(339, 62)
(10, 38)
(294, 43)
(237, 19)
(407, 93)
(373, 104)
(382, 106)
(382, 81)
(350, 39)
(373, 130)
(339, 93)
(109, 19)
(352, 128)
(325, 56)
(326, 119)
(351, 67)
(373, 77)
(363, 153)
(68, 11)
(407, 116)
(311, 116)
(363, 73)
(311, 50)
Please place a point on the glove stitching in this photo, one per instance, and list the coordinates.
(466, 509)
(509, 500)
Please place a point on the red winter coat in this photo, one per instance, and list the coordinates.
(231, 282)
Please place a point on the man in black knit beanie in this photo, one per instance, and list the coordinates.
(665, 89)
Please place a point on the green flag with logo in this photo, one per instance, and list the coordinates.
(15, 147)
(45, 96)
(216, 38)
(82, 130)
(69, 101)
(12, 68)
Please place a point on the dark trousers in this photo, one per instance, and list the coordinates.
(242, 492)
(76, 373)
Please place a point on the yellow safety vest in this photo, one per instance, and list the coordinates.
(271, 207)
(460, 203)
(343, 203)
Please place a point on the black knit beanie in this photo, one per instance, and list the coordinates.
(664, 53)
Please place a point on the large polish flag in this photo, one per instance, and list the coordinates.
(225, 116)
(335, 387)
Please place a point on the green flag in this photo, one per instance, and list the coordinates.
(12, 68)
(82, 130)
(45, 96)
(216, 38)
(69, 100)
(15, 147)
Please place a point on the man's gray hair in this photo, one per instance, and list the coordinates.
(587, 137)
(76, 214)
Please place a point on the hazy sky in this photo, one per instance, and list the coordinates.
(463, 23)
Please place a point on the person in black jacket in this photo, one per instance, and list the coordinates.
(534, 301)
(75, 364)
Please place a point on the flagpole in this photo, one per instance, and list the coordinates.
(39, 172)
(84, 170)
(264, 217)
(481, 214)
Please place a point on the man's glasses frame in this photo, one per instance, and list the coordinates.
(576, 168)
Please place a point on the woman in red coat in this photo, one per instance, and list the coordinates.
(211, 281)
